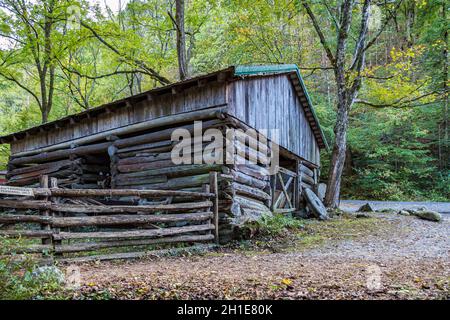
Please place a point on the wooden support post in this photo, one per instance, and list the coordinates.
(316, 181)
(273, 184)
(300, 164)
(45, 212)
(54, 185)
(214, 188)
(297, 185)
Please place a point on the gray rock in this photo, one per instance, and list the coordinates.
(361, 215)
(404, 212)
(387, 210)
(366, 208)
(428, 215)
(49, 273)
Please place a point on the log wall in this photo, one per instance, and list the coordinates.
(143, 161)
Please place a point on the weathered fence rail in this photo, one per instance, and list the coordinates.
(79, 221)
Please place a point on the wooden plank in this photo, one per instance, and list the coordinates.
(71, 208)
(17, 191)
(215, 189)
(162, 232)
(90, 246)
(58, 192)
(117, 220)
(135, 255)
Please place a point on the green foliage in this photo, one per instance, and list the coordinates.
(397, 146)
(17, 280)
(277, 224)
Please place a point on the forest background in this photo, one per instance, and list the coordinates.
(59, 57)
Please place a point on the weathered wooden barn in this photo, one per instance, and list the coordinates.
(127, 143)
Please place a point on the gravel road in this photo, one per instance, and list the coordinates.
(400, 257)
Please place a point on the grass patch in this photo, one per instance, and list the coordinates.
(285, 234)
(19, 279)
(317, 233)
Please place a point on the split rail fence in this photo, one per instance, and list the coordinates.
(66, 223)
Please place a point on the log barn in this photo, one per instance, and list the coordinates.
(126, 144)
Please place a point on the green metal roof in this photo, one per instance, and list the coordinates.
(246, 70)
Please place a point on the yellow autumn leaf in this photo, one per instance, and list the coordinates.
(286, 281)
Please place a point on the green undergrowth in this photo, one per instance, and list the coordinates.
(19, 279)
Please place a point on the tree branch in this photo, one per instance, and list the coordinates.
(399, 103)
(380, 31)
(319, 32)
(148, 70)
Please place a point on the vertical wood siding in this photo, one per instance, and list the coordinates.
(272, 103)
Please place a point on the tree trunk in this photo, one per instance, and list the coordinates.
(337, 157)
(444, 84)
(181, 40)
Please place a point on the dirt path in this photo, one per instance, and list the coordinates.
(386, 257)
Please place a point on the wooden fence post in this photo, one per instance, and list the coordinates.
(214, 188)
(54, 185)
(273, 186)
(45, 212)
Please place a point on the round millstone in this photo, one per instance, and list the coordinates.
(315, 204)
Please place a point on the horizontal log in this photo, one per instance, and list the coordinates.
(25, 204)
(144, 152)
(136, 255)
(27, 233)
(249, 191)
(60, 222)
(180, 183)
(133, 234)
(72, 208)
(307, 179)
(248, 180)
(117, 220)
(250, 203)
(36, 248)
(122, 180)
(147, 146)
(159, 135)
(38, 167)
(79, 247)
(138, 167)
(248, 153)
(208, 113)
(251, 133)
(59, 154)
(62, 170)
(287, 172)
(24, 218)
(253, 171)
(306, 170)
(145, 158)
(173, 171)
(58, 192)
